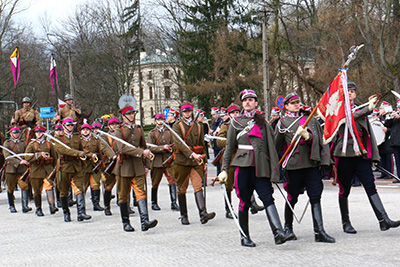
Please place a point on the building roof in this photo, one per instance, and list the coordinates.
(154, 58)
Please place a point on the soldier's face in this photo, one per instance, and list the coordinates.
(39, 135)
(215, 116)
(26, 104)
(68, 128)
(234, 113)
(113, 126)
(159, 122)
(15, 135)
(58, 132)
(170, 118)
(352, 94)
(85, 131)
(249, 104)
(224, 117)
(129, 118)
(69, 102)
(293, 106)
(187, 113)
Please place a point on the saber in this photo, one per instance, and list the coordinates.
(12, 152)
(181, 140)
(290, 205)
(151, 156)
(61, 143)
(231, 210)
(396, 94)
(23, 155)
(105, 142)
(387, 172)
(214, 137)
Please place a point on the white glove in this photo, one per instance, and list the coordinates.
(222, 177)
(303, 133)
(372, 103)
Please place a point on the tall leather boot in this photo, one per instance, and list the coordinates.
(204, 215)
(244, 224)
(130, 210)
(280, 236)
(254, 208)
(289, 223)
(38, 204)
(50, 200)
(80, 205)
(24, 201)
(154, 205)
(183, 209)
(58, 197)
(71, 201)
(144, 216)
(344, 211)
(11, 205)
(172, 194)
(125, 217)
(319, 232)
(107, 200)
(384, 222)
(96, 200)
(65, 207)
(228, 213)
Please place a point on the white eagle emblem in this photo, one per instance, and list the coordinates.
(333, 106)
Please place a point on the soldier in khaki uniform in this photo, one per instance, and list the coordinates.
(42, 164)
(162, 138)
(15, 169)
(233, 111)
(132, 169)
(109, 148)
(71, 170)
(26, 116)
(187, 163)
(91, 144)
(69, 110)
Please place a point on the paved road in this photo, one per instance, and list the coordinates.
(48, 241)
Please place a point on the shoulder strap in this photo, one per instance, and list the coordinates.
(199, 130)
(182, 130)
(123, 132)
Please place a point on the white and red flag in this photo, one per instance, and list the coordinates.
(61, 103)
(15, 68)
(335, 108)
(53, 74)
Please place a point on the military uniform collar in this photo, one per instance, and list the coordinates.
(130, 126)
(162, 129)
(15, 140)
(291, 114)
(188, 122)
(87, 139)
(249, 114)
(69, 135)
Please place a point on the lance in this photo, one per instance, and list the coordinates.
(61, 143)
(181, 140)
(151, 156)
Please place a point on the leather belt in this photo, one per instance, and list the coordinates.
(245, 147)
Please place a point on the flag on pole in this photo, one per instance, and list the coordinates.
(335, 108)
(61, 103)
(53, 74)
(15, 68)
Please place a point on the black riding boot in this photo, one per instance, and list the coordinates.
(144, 216)
(71, 201)
(50, 200)
(228, 213)
(38, 204)
(344, 211)
(319, 232)
(58, 197)
(107, 200)
(172, 193)
(130, 210)
(24, 201)
(11, 202)
(384, 222)
(65, 207)
(125, 217)
(204, 215)
(183, 209)
(96, 200)
(289, 223)
(254, 208)
(154, 205)
(244, 224)
(80, 204)
(279, 235)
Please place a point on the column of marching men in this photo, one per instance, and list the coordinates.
(247, 148)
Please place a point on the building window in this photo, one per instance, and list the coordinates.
(150, 75)
(150, 92)
(152, 112)
(167, 91)
(166, 74)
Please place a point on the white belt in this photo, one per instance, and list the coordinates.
(246, 147)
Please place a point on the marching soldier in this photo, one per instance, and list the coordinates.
(360, 165)
(91, 144)
(26, 116)
(215, 127)
(15, 169)
(172, 117)
(42, 163)
(58, 130)
(233, 111)
(275, 115)
(67, 111)
(188, 158)
(162, 138)
(255, 163)
(303, 166)
(71, 170)
(132, 169)
(111, 151)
